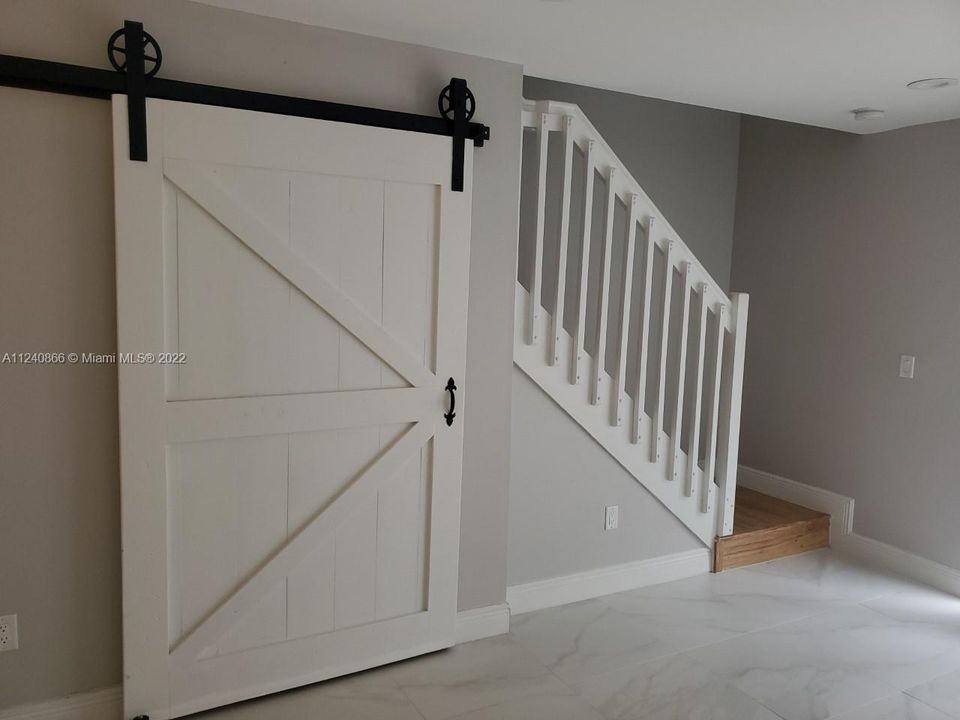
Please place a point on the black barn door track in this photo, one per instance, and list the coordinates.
(136, 57)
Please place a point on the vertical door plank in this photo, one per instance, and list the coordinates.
(266, 194)
(361, 275)
(337, 227)
(399, 528)
(644, 334)
(233, 312)
(264, 624)
(203, 531)
(409, 258)
(554, 354)
(360, 230)
(578, 348)
(355, 567)
(342, 454)
(616, 414)
(311, 596)
(232, 514)
(314, 335)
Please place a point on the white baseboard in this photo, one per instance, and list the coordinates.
(839, 507)
(842, 537)
(104, 704)
(483, 622)
(901, 562)
(604, 581)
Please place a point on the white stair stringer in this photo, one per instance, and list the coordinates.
(574, 399)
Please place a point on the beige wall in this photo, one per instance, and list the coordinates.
(59, 524)
(850, 249)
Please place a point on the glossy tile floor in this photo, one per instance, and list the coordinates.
(804, 638)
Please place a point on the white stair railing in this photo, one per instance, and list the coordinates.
(671, 417)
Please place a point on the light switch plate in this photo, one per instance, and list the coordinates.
(611, 517)
(908, 364)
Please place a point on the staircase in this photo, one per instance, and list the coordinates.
(621, 325)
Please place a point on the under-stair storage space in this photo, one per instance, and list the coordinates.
(767, 528)
(621, 325)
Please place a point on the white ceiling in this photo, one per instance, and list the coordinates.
(808, 61)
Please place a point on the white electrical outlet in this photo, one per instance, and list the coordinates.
(908, 363)
(611, 517)
(8, 633)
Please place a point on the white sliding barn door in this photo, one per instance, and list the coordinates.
(290, 489)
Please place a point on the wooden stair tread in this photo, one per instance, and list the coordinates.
(766, 528)
(756, 511)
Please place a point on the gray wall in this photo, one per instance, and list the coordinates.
(59, 555)
(562, 481)
(685, 158)
(850, 249)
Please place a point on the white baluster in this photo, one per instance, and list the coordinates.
(656, 430)
(578, 349)
(730, 402)
(677, 433)
(710, 463)
(536, 283)
(694, 456)
(644, 336)
(616, 415)
(604, 287)
(554, 355)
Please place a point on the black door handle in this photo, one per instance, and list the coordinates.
(450, 414)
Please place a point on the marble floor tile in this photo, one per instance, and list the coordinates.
(836, 574)
(687, 623)
(942, 693)
(812, 637)
(897, 707)
(901, 653)
(673, 688)
(804, 670)
(334, 700)
(707, 609)
(921, 605)
(587, 638)
(537, 707)
(473, 676)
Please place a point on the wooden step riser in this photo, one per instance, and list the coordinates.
(759, 546)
